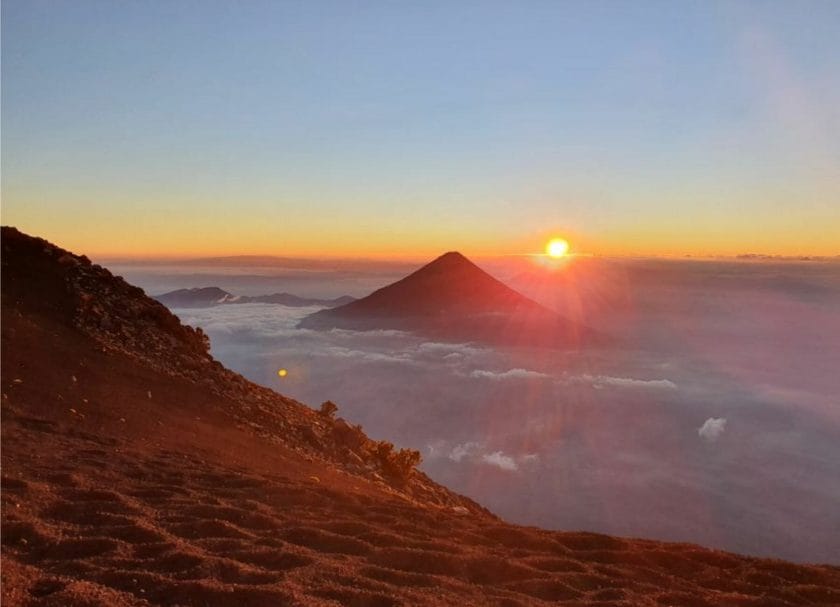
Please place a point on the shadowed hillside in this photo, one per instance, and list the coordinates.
(139, 471)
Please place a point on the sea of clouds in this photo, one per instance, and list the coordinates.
(713, 415)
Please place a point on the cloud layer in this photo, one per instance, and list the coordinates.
(605, 381)
(712, 428)
(607, 439)
(509, 374)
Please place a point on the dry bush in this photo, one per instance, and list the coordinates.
(328, 409)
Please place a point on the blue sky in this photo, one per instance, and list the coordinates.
(403, 128)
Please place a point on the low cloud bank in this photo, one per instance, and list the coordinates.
(509, 374)
(459, 452)
(475, 452)
(380, 357)
(602, 381)
(447, 348)
(712, 428)
(499, 459)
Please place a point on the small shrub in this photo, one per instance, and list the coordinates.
(328, 409)
(395, 464)
(352, 437)
(406, 460)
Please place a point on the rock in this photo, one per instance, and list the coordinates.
(68, 260)
(351, 458)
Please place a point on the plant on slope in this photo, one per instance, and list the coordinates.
(328, 409)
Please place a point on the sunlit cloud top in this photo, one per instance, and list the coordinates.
(320, 128)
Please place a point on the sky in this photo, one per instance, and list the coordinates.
(396, 129)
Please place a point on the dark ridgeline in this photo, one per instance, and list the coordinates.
(198, 297)
(452, 298)
(205, 297)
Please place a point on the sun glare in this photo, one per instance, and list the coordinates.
(557, 248)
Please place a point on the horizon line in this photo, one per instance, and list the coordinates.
(398, 259)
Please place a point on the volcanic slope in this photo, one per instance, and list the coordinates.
(453, 299)
(138, 471)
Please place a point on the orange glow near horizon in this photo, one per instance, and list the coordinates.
(177, 237)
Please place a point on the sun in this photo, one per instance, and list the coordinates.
(557, 248)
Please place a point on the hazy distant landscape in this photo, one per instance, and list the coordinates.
(711, 418)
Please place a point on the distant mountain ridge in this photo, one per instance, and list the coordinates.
(205, 297)
(451, 297)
